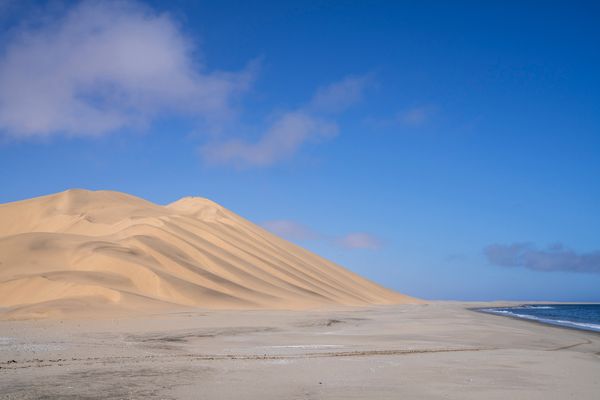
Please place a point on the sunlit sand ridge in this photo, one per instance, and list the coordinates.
(85, 252)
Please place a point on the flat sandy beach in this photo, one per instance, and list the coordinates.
(439, 350)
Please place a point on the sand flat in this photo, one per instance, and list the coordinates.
(440, 350)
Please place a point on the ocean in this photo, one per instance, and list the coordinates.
(576, 316)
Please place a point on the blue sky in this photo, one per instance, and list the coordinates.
(449, 150)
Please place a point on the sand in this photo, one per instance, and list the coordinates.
(84, 253)
(107, 296)
(434, 351)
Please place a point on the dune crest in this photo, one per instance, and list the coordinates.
(81, 252)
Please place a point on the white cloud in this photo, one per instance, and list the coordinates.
(415, 116)
(359, 240)
(556, 257)
(281, 140)
(295, 231)
(290, 230)
(103, 66)
(339, 96)
(291, 130)
(99, 67)
(406, 118)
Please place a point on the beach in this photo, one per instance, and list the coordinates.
(436, 350)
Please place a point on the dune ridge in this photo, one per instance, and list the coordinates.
(87, 252)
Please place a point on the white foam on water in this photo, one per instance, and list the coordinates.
(595, 327)
(572, 324)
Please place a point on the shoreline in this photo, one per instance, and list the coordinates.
(532, 320)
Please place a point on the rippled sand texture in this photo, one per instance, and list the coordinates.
(89, 253)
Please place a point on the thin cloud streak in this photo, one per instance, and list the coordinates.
(290, 230)
(359, 240)
(295, 231)
(554, 258)
(339, 96)
(405, 119)
(415, 116)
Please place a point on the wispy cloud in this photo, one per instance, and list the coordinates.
(554, 258)
(359, 240)
(455, 258)
(282, 139)
(296, 231)
(339, 96)
(414, 116)
(406, 118)
(103, 66)
(290, 230)
(293, 129)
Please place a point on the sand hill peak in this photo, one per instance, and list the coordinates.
(87, 252)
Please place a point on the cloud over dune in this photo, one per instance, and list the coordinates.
(293, 230)
(104, 66)
(554, 258)
(290, 229)
(360, 240)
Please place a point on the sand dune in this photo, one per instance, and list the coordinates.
(85, 252)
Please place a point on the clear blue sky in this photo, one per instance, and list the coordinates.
(449, 150)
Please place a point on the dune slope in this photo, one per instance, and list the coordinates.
(84, 252)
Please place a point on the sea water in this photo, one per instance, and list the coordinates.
(577, 316)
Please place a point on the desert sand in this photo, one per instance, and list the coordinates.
(84, 253)
(108, 296)
(433, 351)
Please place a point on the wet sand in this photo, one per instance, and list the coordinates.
(439, 350)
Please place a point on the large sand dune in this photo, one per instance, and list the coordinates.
(86, 253)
